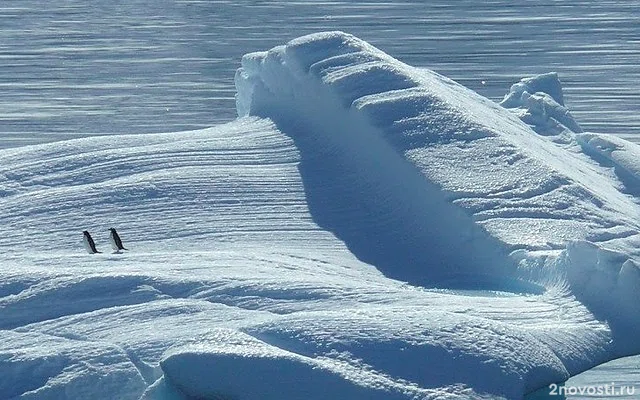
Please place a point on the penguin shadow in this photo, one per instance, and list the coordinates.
(114, 240)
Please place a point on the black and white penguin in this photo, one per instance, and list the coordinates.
(116, 242)
(89, 244)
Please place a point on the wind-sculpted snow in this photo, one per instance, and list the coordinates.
(611, 151)
(225, 248)
(348, 247)
(155, 186)
(447, 183)
(447, 175)
(242, 364)
(539, 101)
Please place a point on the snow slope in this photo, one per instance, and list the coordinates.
(484, 186)
(364, 230)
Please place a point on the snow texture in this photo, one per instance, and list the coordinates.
(540, 103)
(364, 230)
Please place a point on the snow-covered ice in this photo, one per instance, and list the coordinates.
(365, 229)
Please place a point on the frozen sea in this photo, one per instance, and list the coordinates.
(82, 68)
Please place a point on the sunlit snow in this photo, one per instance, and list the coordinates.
(363, 230)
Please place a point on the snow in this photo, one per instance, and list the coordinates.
(243, 364)
(615, 153)
(41, 366)
(540, 103)
(365, 229)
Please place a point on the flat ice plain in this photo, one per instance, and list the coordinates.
(384, 233)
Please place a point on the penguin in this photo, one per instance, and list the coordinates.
(116, 242)
(89, 244)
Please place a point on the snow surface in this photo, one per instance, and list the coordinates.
(364, 230)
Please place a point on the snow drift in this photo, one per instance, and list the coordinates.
(462, 179)
(365, 230)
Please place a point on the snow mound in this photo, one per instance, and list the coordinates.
(611, 151)
(64, 368)
(247, 368)
(227, 244)
(245, 276)
(444, 182)
(538, 101)
(400, 349)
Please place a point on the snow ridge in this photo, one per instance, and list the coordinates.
(117, 325)
(402, 226)
(247, 243)
(437, 149)
(512, 195)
